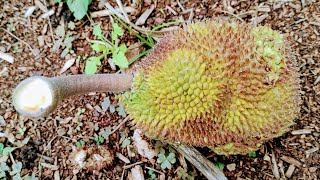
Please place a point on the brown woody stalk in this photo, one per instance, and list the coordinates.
(66, 86)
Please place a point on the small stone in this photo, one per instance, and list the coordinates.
(231, 167)
(266, 158)
(74, 70)
(159, 20)
(118, 168)
(313, 169)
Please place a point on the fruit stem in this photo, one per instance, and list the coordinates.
(38, 96)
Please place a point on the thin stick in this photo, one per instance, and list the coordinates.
(122, 175)
(141, 30)
(122, 10)
(209, 170)
(236, 16)
(120, 124)
(154, 170)
(275, 169)
(31, 49)
(131, 165)
(50, 26)
(11, 157)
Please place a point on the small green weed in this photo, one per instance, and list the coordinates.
(15, 170)
(184, 175)
(79, 8)
(152, 175)
(106, 104)
(219, 165)
(103, 135)
(80, 143)
(252, 154)
(106, 47)
(166, 159)
(124, 140)
(66, 38)
(99, 140)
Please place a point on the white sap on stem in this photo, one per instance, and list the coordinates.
(33, 96)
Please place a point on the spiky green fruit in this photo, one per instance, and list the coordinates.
(218, 84)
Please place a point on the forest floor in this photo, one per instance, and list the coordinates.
(47, 148)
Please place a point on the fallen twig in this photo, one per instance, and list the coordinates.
(131, 165)
(28, 45)
(102, 13)
(120, 124)
(50, 26)
(141, 30)
(209, 170)
(122, 10)
(275, 169)
(227, 12)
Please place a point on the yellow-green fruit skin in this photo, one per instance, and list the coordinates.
(217, 84)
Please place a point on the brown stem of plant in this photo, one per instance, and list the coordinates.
(66, 86)
(82, 84)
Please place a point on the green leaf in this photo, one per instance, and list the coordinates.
(105, 104)
(220, 165)
(78, 7)
(91, 65)
(117, 29)
(252, 154)
(112, 109)
(152, 175)
(99, 140)
(119, 57)
(97, 31)
(2, 174)
(171, 158)
(7, 150)
(105, 133)
(1, 148)
(99, 47)
(17, 177)
(125, 143)
(16, 168)
(68, 41)
(80, 143)
(121, 111)
(161, 158)
(166, 164)
(3, 168)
